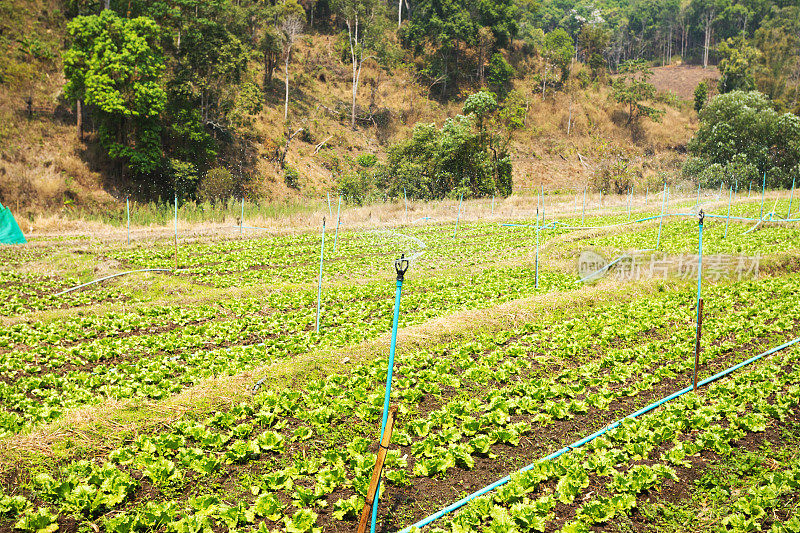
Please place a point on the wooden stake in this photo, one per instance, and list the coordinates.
(376, 473)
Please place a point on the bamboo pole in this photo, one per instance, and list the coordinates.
(377, 471)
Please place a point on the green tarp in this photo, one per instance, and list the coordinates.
(9, 230)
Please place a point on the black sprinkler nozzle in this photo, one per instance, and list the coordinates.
(401, 265)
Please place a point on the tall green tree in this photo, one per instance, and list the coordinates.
(115, 65)
(633, 89)
(558, 52)
(737, 62)
(777, 73)
(743, 126)
(444, 28)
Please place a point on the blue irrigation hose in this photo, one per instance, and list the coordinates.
(763, 190)
(661, 221)
(113, 276)
(537, 249)
(338, 213)
(321, 258)
(176, 217)
(612, 263)
(728, 218)
(401, 266)
(577, 444)
(458, 216)
(700, 263)
(128, 210)
(583, 213)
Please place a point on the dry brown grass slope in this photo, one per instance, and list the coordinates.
(44, 168)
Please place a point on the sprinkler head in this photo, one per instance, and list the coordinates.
(701, 216)
(401, 265)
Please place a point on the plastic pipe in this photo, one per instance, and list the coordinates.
(791, 197)
(493, 204)
(763, 190)
(128, 211)
(543, 204)
(319, 286)
(458, 216)
(401, 266)
(583, 216)
(536, 286)
(661, 221)
(336, 236)
(699, 292)
(176, 231)
(176, 220)
(628, 203)
(728, 218)
(577, 444)
(113, 276)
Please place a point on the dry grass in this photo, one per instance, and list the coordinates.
(39, 150)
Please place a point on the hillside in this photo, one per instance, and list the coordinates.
(46, 168)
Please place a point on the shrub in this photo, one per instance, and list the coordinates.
(614, 177)
(499, 72)
(367, 160)
(712, 176)
(744, 127)
(469, 153)
(693, 166)
(218, 184)
(184, 177)
(354, 187)
(292, 177)
(700, 96)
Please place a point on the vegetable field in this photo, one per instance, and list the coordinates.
(204, 399)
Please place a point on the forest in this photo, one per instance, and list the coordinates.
(168, 88)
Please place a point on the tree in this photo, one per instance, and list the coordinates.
(212, 60)
(736, 65)
(292, 19)
(442, 29)
(743, 126)
(485, 45)
(270, 46)
(593, 41)
(700, 95)
(365, 27)
(706, 13)
(500, 73)
(558, 52)
(115, 65)
(468, 155)
(777, 73)
(633, 89)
